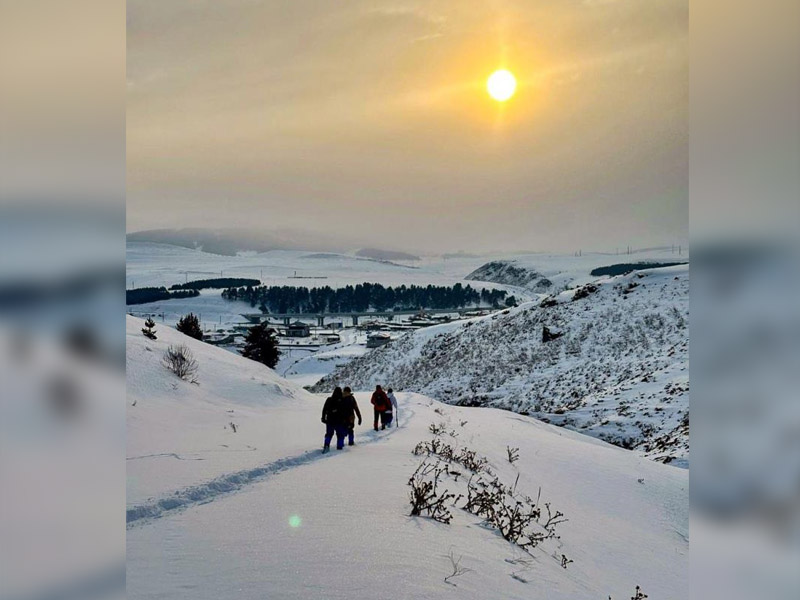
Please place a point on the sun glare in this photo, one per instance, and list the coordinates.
(501, 85)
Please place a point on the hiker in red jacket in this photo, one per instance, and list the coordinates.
(380, 403)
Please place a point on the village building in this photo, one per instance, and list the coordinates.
(298, 329)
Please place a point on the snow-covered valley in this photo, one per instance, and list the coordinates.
(228, 494)
(618, 371)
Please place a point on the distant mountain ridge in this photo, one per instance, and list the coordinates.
(509, 273)
(387, 255)
(230, 242)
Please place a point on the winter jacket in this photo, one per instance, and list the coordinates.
(393, 400)
(380, 401)
(350, 407)
(333, 411)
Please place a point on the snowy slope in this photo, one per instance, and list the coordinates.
(211, 518)
(552, 273)
(179, 433)
(619, 371)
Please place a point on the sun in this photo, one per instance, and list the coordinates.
(501, 85)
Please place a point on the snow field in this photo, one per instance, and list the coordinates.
(284, 521)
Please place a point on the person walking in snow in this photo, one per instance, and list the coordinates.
(333, 415)
(380, 404)
(350, 413)
(392, 406)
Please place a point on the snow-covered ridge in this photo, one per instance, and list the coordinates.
(615, 365)
(509, 273)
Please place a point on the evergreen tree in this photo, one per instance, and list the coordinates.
(261, 345)
(149, 330)
(190, 325)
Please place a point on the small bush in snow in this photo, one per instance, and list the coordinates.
(638, 595)
(471, 460)
(584, 291)
(515, 516)
(513, 454)
(426, 498)
(180, 360)
(149, 330)
(457, 569)
(437, 429)
(465, 457)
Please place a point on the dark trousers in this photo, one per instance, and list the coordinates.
(378, 414)
(386, 418)
(351, 433)
(339, 430)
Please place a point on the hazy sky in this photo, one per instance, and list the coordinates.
(372, 119)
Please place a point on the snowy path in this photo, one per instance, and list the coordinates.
(232, 482)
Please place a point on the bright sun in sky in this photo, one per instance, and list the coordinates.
(501, 85)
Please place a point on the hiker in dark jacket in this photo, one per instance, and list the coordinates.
(380, 403)
(350, 413)
(333, 415)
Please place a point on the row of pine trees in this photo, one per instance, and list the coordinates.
(364, 297)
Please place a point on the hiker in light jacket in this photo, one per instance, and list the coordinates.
(393, 405)
(350, 413)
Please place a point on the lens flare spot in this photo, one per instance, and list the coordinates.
(295, 521)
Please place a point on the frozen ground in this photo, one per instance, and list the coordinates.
(260, 513)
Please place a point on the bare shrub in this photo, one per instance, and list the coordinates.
(513, 454)
(471, 460)
(457, 569)
(426, 498)
(180, 360)
(437, 429)
(465, 457)
(515, 516)
(639, 595)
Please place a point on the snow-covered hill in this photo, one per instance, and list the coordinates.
(509, 273)
(619, 369)
(259, 512)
